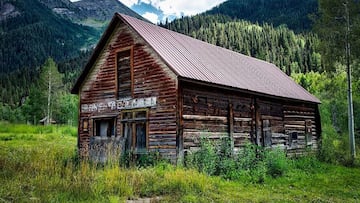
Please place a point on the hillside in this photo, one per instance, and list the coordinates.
(93, 13)
(293, 53)
(33, 33)
(292, 13)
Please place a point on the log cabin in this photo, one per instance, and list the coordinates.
(149, 89)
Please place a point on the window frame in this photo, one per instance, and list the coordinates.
(131, 49)
(85, 124)
(293, 139)
(267, 133)
(133, 120)
(95, 120)
(308, 132)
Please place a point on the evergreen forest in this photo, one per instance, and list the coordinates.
(296, 15)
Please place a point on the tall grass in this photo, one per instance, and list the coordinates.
(251, 164)
(37, 129)
(43, 168)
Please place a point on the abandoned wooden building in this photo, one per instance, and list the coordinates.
(146, 88)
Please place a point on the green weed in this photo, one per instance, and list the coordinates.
(45, 168)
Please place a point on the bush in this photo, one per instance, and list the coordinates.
(252, 163)
(248, 157)
(277, 163)
(205, 159)
(334, 147)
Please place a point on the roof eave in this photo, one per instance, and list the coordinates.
(180, 78)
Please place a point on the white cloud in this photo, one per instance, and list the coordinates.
(183, 7)
(151, 16)
(129, 3)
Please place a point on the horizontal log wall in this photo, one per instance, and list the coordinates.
(295, 117)
(151, 78)
(272, 111)
(206, 112)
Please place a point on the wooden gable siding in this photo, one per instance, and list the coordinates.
(151, 78)
(217, 113)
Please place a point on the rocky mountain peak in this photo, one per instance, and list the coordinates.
(7, 10)
(89, 12)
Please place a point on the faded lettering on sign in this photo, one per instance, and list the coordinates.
(119, 105)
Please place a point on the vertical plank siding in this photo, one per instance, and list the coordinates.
(151, 78)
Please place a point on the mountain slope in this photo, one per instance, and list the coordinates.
(293, 13)
(289, 51)
(36, 33)
(94, 13)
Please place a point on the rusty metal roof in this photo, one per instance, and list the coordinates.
(197, 60)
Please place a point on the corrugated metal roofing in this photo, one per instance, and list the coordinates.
(194, 59)
(197, 60)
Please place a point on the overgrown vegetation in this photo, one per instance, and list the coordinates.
(47, 97)
(37, 163)
(330, 88)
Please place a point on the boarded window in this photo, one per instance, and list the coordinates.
(266, 133)
(308, 132)
(293, 137)
(124, 83)
(105, 127)
(140, 136)
(135, 131)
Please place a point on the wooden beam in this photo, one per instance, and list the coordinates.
(231, 125)
(205, 118)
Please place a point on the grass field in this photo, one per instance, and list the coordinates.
(38, 164)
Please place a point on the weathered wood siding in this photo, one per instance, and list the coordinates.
(151, 78)
(206, 112)
(216, 113)
(296, 117)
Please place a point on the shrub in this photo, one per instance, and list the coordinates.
(277, 163)
(252, 163)
(248, 157)
(205, 159)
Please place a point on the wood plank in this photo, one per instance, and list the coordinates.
(237, 119)
(298, 116)
(205, 118)
(295, 126)
(267, 117)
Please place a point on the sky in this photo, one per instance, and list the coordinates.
(170, 8)
(159, 10)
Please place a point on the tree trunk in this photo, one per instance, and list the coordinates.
(49, 100)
